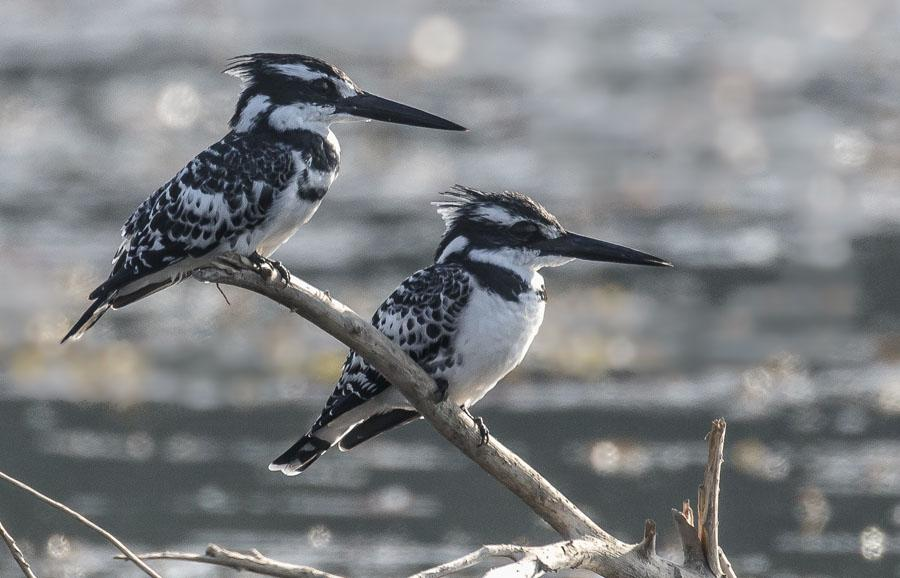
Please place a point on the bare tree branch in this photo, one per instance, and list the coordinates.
(727, 570)
(690, 541)
(62, 507)
(254, 562)
(469, 560)
(708, 501)
(640, 561)
(16, 553)
(345, 325)
(586, 545)
(647, 546)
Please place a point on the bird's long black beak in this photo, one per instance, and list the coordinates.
(367, 105)
(581, 247)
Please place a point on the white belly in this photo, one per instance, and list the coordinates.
(288, 213)
(493, 337)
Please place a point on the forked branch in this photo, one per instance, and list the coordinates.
(586, 545)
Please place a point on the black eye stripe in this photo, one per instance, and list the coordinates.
(285, 90)
(326, 87)
(525, 227)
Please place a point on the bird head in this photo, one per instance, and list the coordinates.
(511, 230)
(291, 91)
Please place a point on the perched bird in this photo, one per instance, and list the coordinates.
(250, 192)
(467, 320)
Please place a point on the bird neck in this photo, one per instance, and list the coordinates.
(494, 271)
(258, 116)
(298, 133)
(316, 142)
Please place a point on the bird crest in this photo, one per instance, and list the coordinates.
(251, 68)
(467, 203)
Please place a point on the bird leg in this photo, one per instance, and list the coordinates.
(442, 387)
(479, 423)
(259, 262)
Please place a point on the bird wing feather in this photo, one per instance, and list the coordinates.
(422, 317)
(223, 192)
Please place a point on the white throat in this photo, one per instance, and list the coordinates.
(311, 117)
(521, 262)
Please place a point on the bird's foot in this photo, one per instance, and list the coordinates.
(283, 271)
(483, 430)
(440, 394)
(260, 264)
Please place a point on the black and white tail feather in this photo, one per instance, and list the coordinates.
(131, 279)
(301, 455)
(309, 448)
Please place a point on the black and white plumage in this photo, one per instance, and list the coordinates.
(250, 192)
(468, 320)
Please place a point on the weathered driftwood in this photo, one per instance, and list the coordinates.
(584, 546)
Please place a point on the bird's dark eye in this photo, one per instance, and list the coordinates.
(525, 230)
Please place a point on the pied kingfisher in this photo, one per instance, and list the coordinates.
(250, 192)
(468, 320)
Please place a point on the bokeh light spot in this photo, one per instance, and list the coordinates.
(851, 148)
(318, 536)
(437, 41)
(178, 105)
(872, 543)
(618, 457)
(139, 446)
(759, 460)
(59, 546)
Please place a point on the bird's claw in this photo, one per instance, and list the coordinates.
(483, 430)
(440, 393)
(283, 271)
(260, 263)
(253, 261)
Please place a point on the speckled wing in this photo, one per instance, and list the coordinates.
(422, 317)
(223, 192)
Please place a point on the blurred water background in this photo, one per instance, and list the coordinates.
(756, 145)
